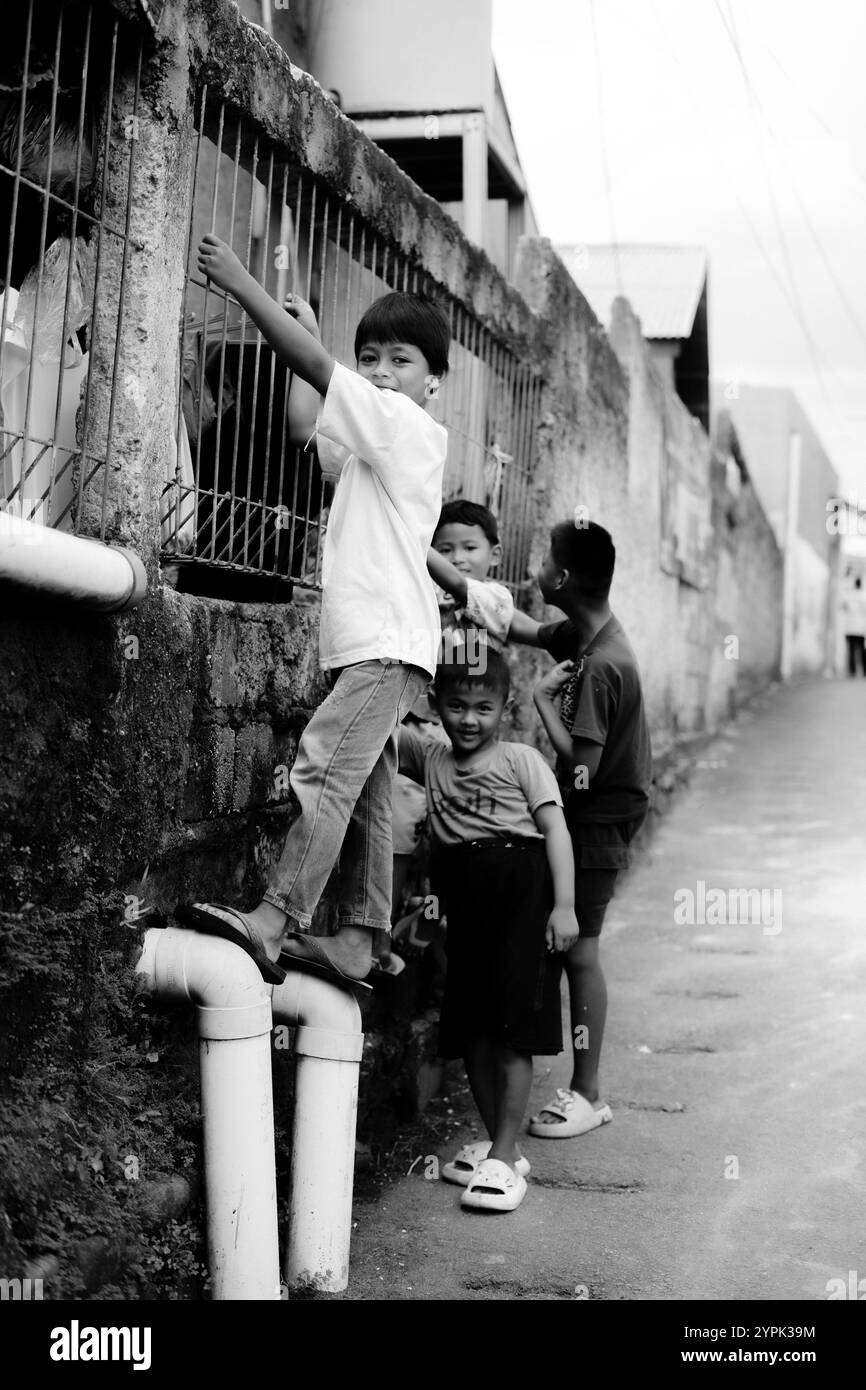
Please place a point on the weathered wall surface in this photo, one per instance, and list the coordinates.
(609, 422)
(766, 419)
(143, 759)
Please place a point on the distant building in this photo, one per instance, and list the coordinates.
(666, 287)
(420, 80)
(795, 480)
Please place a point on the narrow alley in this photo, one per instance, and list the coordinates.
(733, 1060)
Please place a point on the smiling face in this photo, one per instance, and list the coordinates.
(471, 714)
(467, 548)
(395, 367)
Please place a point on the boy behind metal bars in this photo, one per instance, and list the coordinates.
(379, 629)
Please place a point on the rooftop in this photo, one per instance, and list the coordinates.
(663, 284)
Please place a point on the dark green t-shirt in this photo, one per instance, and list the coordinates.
(606, 698)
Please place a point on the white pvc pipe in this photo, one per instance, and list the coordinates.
(234, 1024)
(104, 577)
(328, 1047)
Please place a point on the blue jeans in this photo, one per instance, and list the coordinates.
(343, 776)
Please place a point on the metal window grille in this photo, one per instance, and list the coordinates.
(60, 135)
(242, 498)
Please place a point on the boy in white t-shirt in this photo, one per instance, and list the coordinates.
(379, 628)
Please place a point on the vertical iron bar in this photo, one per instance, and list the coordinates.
(310, 243)
(323, 235)
(336, 277)
(284, 422)
(82, 111)
(375, 256)
(347, 339)
(242, 334)
(362, 265)
(16, 184)
(517, 570)
(267, 453)
(180, 422)
(40, 261)
(204, 320)
(223, 331)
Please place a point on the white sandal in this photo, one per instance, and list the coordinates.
(574, 1115)
(464, 1165)
(494, 1187)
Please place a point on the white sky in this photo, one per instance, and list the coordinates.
(693, 158)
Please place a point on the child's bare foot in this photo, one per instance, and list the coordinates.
(270, 923)
(349, 951)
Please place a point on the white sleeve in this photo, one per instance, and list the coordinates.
(332, 457)
(490, 606)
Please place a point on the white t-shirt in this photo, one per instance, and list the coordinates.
(378, 599)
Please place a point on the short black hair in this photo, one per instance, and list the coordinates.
(492, 673)
(587, 552)
(407, 318)
(466, 513)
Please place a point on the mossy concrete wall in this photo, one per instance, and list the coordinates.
(143, 758)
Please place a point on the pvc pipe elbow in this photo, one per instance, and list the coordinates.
(233, 999)
(328, 1017)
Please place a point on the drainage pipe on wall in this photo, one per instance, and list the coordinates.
(328, 1047)
(107, 578)
(233, 1012)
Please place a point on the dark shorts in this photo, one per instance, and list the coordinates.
(601, 851)
(502, 982)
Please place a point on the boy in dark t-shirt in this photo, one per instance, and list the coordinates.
(604, 764)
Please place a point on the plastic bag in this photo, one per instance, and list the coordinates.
(51, 345)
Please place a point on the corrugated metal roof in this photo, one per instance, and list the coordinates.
(663, 284)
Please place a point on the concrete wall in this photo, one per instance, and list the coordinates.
(765, 418)
(617, 440)
(143, 758)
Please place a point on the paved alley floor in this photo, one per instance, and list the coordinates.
(734, 1058)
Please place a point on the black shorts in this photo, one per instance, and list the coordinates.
(601, 851)
(502, 982)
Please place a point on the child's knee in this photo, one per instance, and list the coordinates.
(583, 955)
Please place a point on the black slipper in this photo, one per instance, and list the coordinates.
(202, 918)
(318, 963)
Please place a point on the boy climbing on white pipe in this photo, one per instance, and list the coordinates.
(379, 630)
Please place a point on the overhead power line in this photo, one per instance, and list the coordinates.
(756, 236)
(603, 144)
(807, 104)
(797, 304)
(758, 105)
